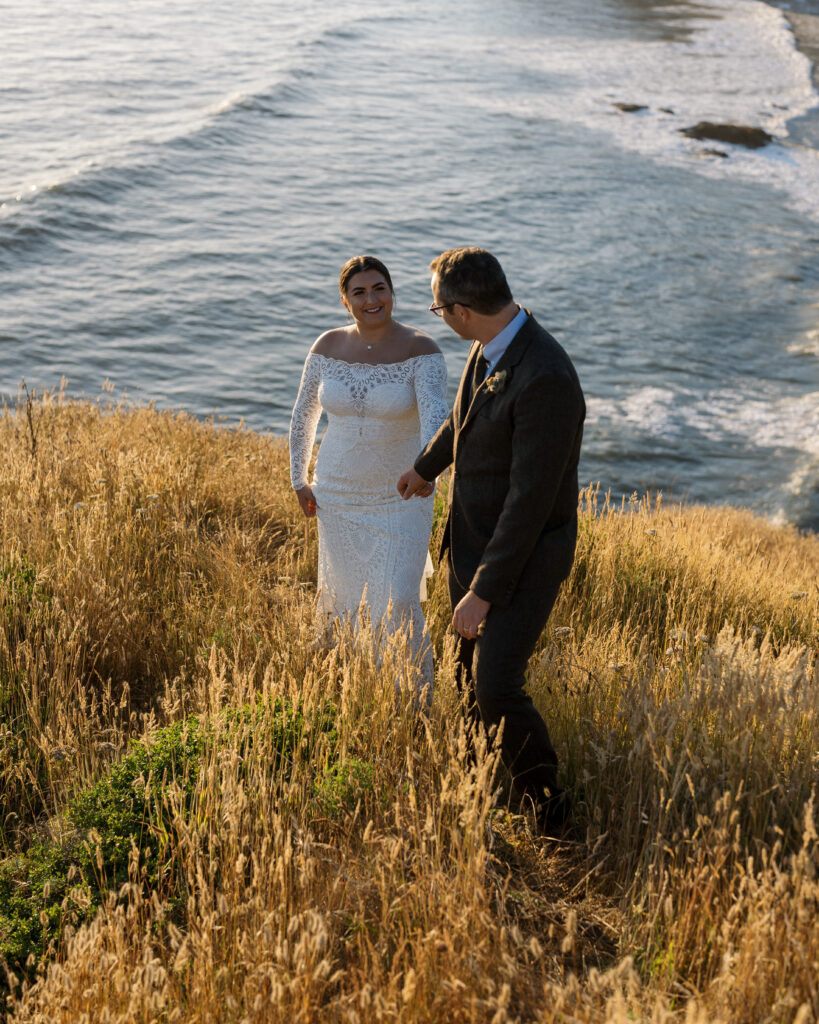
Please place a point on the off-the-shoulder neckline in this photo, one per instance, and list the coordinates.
(398, 362)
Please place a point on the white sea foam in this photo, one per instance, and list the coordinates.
(764, 421)
(740, 65)
(807, 344)
(229, 102)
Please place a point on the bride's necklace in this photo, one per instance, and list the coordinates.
(371, 345)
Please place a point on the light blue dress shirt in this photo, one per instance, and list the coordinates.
(495, 348)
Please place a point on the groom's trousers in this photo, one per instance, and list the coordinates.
(492, 668)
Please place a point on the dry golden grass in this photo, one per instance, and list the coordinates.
(154, 568)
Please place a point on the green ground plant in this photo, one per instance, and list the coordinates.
(120, 830)
(108, 835)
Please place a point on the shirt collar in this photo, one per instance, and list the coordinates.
(494, 349)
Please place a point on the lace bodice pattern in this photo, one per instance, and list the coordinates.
(384, 393)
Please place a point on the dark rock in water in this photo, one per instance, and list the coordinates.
(629, 108)
(735, 134)
(666, 110)
(712, 152)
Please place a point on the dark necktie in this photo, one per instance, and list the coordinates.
(481, 364)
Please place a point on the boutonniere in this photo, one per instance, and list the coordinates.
(496, 382)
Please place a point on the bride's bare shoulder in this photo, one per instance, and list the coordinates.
(331, 342)
(419, 343)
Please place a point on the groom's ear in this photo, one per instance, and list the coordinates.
(464, 313)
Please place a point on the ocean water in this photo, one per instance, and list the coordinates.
(180, 183)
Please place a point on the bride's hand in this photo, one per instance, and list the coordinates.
(307, 501)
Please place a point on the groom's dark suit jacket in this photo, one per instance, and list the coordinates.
(512, 523)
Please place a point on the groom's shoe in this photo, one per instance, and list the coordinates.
(554, 815)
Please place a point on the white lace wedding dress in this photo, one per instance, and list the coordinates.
(370, 540)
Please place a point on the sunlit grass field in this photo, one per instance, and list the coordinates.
(208, 815)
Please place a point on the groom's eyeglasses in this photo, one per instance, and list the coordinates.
(439, 310)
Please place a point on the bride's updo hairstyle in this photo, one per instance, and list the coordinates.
(356, 265)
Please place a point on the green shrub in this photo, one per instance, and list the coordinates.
(281, 729)
(341, 786)
(64, 879)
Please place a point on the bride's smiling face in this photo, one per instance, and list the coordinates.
(368, 298)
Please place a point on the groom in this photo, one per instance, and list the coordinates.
(513, 437)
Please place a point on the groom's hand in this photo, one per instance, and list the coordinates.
(411, 484)
(469, 613)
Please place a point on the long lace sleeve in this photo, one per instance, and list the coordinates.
(303, 422)
(430, 394)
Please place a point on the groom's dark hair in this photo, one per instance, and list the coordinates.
(472, 277)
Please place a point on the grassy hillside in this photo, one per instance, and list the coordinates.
(207, 815)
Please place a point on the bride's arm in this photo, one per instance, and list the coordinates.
(429, 381)
(437, 433)
(430, 394)
(303, 423)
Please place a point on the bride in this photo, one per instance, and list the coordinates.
(383, 386)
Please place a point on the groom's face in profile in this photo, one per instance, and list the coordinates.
(449, 314)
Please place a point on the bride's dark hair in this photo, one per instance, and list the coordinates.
(356, 265)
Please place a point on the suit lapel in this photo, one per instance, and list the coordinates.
(462, 398)
(510, 358)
